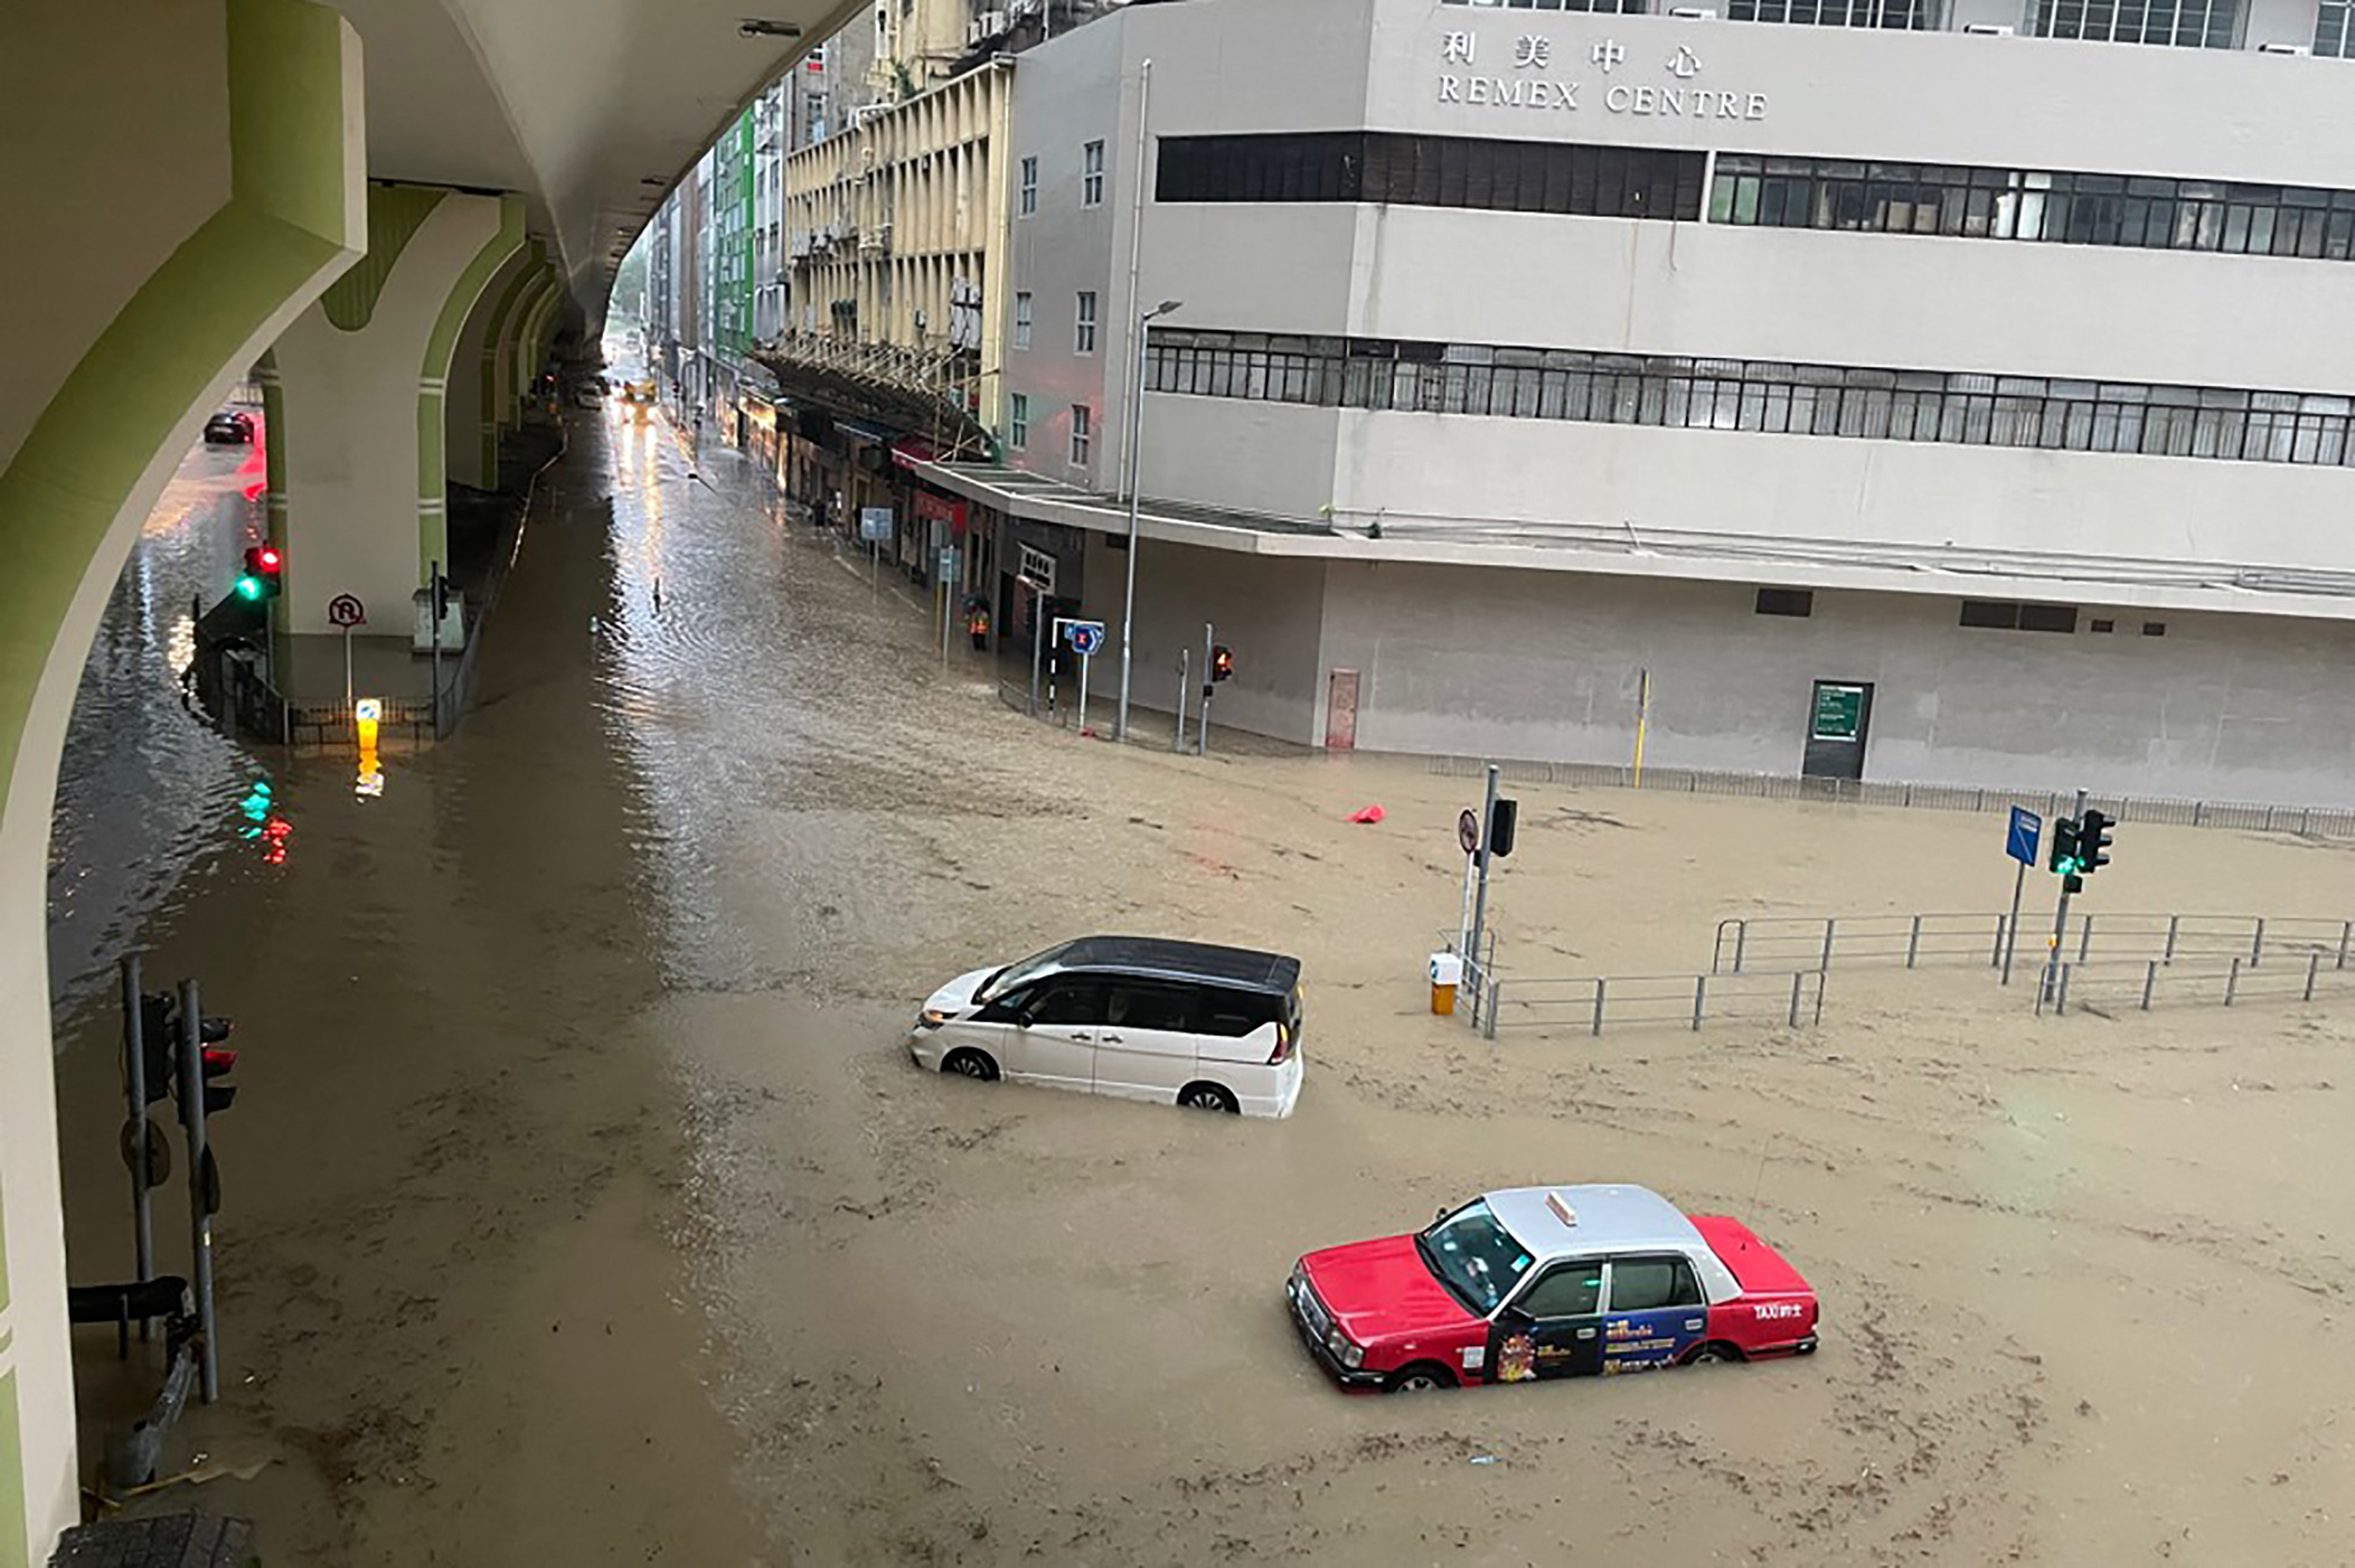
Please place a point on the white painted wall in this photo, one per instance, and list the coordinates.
(1526, 664)
(350, 429)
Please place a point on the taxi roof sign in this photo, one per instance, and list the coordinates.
(1561, 1207)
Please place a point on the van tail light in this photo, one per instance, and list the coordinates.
(1283, 1045)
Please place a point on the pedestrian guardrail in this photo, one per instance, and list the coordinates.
(2095, 986)
(1599, 1002)
(2246, 815)
(1914, 941)
(1819, 942)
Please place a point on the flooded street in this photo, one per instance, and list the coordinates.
(582, 1204)
(148, 793)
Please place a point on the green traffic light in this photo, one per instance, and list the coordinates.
(250, 587)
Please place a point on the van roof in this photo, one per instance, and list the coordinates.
(1272, 973)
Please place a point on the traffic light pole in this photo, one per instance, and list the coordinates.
(2060, 922)
(434, 613)
(135, 1147)
(1210, 632)
(200, 1211)
(2011, 931)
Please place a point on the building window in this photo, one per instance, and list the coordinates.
(1432, 171)
(1092, 174)
(1786, 601)
(2331, 29)
(1017, 421)
(2189, 23)
(1026, 200)
(2143, 213)
(1083, 329)
(2104, 626)
(1914, 14)
(1957, 408)
(1022, 319)
(1600, 7)
(2154, 628)
(1082, 422)
(2006, 615)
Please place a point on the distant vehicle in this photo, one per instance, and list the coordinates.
(589, 397)
(1139, 1018)
(229, 429)
(1547, 1282)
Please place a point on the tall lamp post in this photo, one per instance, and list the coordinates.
(1136, 452)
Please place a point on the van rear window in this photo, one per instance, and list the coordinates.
(1235, 1014)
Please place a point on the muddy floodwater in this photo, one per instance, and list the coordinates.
(582, 1204)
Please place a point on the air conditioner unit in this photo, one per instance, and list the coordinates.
(992, 23)
(1695, 13)
(1990, 29)
(2284, 49)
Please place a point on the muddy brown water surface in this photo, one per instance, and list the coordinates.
(582, 1204)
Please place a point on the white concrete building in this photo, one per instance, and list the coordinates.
(1942, 403)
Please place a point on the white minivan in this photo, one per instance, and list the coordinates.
(1141, 1018)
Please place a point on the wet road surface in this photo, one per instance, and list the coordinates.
(583, 1205)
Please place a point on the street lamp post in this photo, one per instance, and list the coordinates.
(1136, 452)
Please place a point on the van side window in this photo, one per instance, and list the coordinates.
(1151, 1005)
(1234, 1013)
(1068, 1002)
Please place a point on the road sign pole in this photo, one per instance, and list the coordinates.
(434, 614)
(1480, 900)
(1084, 659)
(2011, 928)
(348, 676)
(1185, 658)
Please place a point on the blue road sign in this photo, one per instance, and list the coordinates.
(1085, 637)
(2026, 828)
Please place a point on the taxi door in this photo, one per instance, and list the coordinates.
(1553, 1328)
(1654, 1314)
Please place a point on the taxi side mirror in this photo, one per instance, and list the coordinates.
(1439, 1214)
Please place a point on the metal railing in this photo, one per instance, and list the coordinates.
(1819, 942)
(1599, 1002)
(2257, 817)
(1913, 940)
(2127, 986)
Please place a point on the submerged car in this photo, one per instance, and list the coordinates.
(229, 429)
(1139, 1018)
(1547, 1282)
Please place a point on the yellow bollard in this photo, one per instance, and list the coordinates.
(1447, 972)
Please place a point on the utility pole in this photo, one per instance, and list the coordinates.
(1202, 747)
(200, 1207)
(136, 1129)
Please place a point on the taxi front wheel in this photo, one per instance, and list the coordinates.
(1420, 1377)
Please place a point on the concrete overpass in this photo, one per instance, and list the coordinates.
(395, 200)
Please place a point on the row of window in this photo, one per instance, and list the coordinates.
(2186, 24)
(1082, 322)
(2155, 213)
(1018, 426)
(1091, 178)
(1432, 171)
(1774, 398)
(1996, 614)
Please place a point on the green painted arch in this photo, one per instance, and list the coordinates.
(498, 349)
(543, 294)
(434, 375)
(396, 213)
(70, 500)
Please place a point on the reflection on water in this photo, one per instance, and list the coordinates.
(145, 790)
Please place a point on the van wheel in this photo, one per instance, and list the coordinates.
(1420, 1377)
(966, 1062)
(1208, 1096)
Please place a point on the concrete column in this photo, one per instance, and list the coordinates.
(489, 335)
(467, 410)
(523, 361)
(364, 374)
(220, 192)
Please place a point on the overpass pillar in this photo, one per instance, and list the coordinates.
(522, 351)
(361, 384)
(217, 192)
(476, 414)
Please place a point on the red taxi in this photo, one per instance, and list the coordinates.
(1548, 1282)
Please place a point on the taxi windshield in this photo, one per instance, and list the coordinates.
(1021, 973)
(1476, 1257)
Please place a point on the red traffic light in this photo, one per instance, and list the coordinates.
(268, 558)
(219, 1062)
